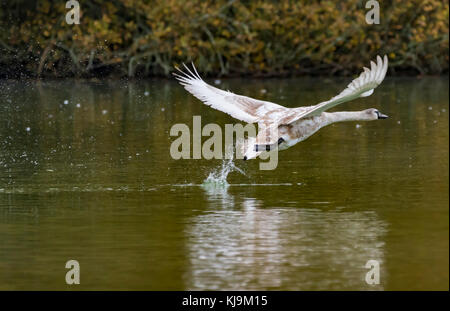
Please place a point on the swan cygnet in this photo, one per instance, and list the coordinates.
(281, 127)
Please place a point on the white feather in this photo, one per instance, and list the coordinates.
(252, 110)
(362, 86)
(240, 107)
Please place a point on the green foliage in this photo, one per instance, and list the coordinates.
(227, 37)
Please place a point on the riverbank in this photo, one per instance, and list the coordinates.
(222, 38)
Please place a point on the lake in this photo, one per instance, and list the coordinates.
(86, 174)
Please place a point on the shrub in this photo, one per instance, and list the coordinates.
(226, 37)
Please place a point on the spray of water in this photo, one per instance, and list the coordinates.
(218, 177)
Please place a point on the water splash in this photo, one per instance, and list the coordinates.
(218, 177)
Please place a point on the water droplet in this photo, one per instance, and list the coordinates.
(218, 177)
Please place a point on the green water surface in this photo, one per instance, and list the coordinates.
(92, 179)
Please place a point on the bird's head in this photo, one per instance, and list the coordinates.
(374, 114)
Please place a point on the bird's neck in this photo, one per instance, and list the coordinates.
(343, 116)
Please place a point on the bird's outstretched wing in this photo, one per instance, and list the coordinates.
(240, 107)
(362, 86)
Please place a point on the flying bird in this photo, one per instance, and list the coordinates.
(281, 127)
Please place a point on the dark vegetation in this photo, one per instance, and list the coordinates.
(139, 38)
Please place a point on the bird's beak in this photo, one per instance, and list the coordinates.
(382, 116)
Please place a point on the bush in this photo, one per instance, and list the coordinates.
(260, 38)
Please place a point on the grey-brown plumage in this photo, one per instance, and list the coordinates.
(283, 127)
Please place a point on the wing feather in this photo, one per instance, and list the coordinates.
(243, 108)
(362, 86)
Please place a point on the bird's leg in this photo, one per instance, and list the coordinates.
(268, 147)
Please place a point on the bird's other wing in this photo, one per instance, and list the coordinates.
(362, 86)
(240, 107)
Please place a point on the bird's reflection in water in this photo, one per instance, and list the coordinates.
(246, 246)
(218, 195)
